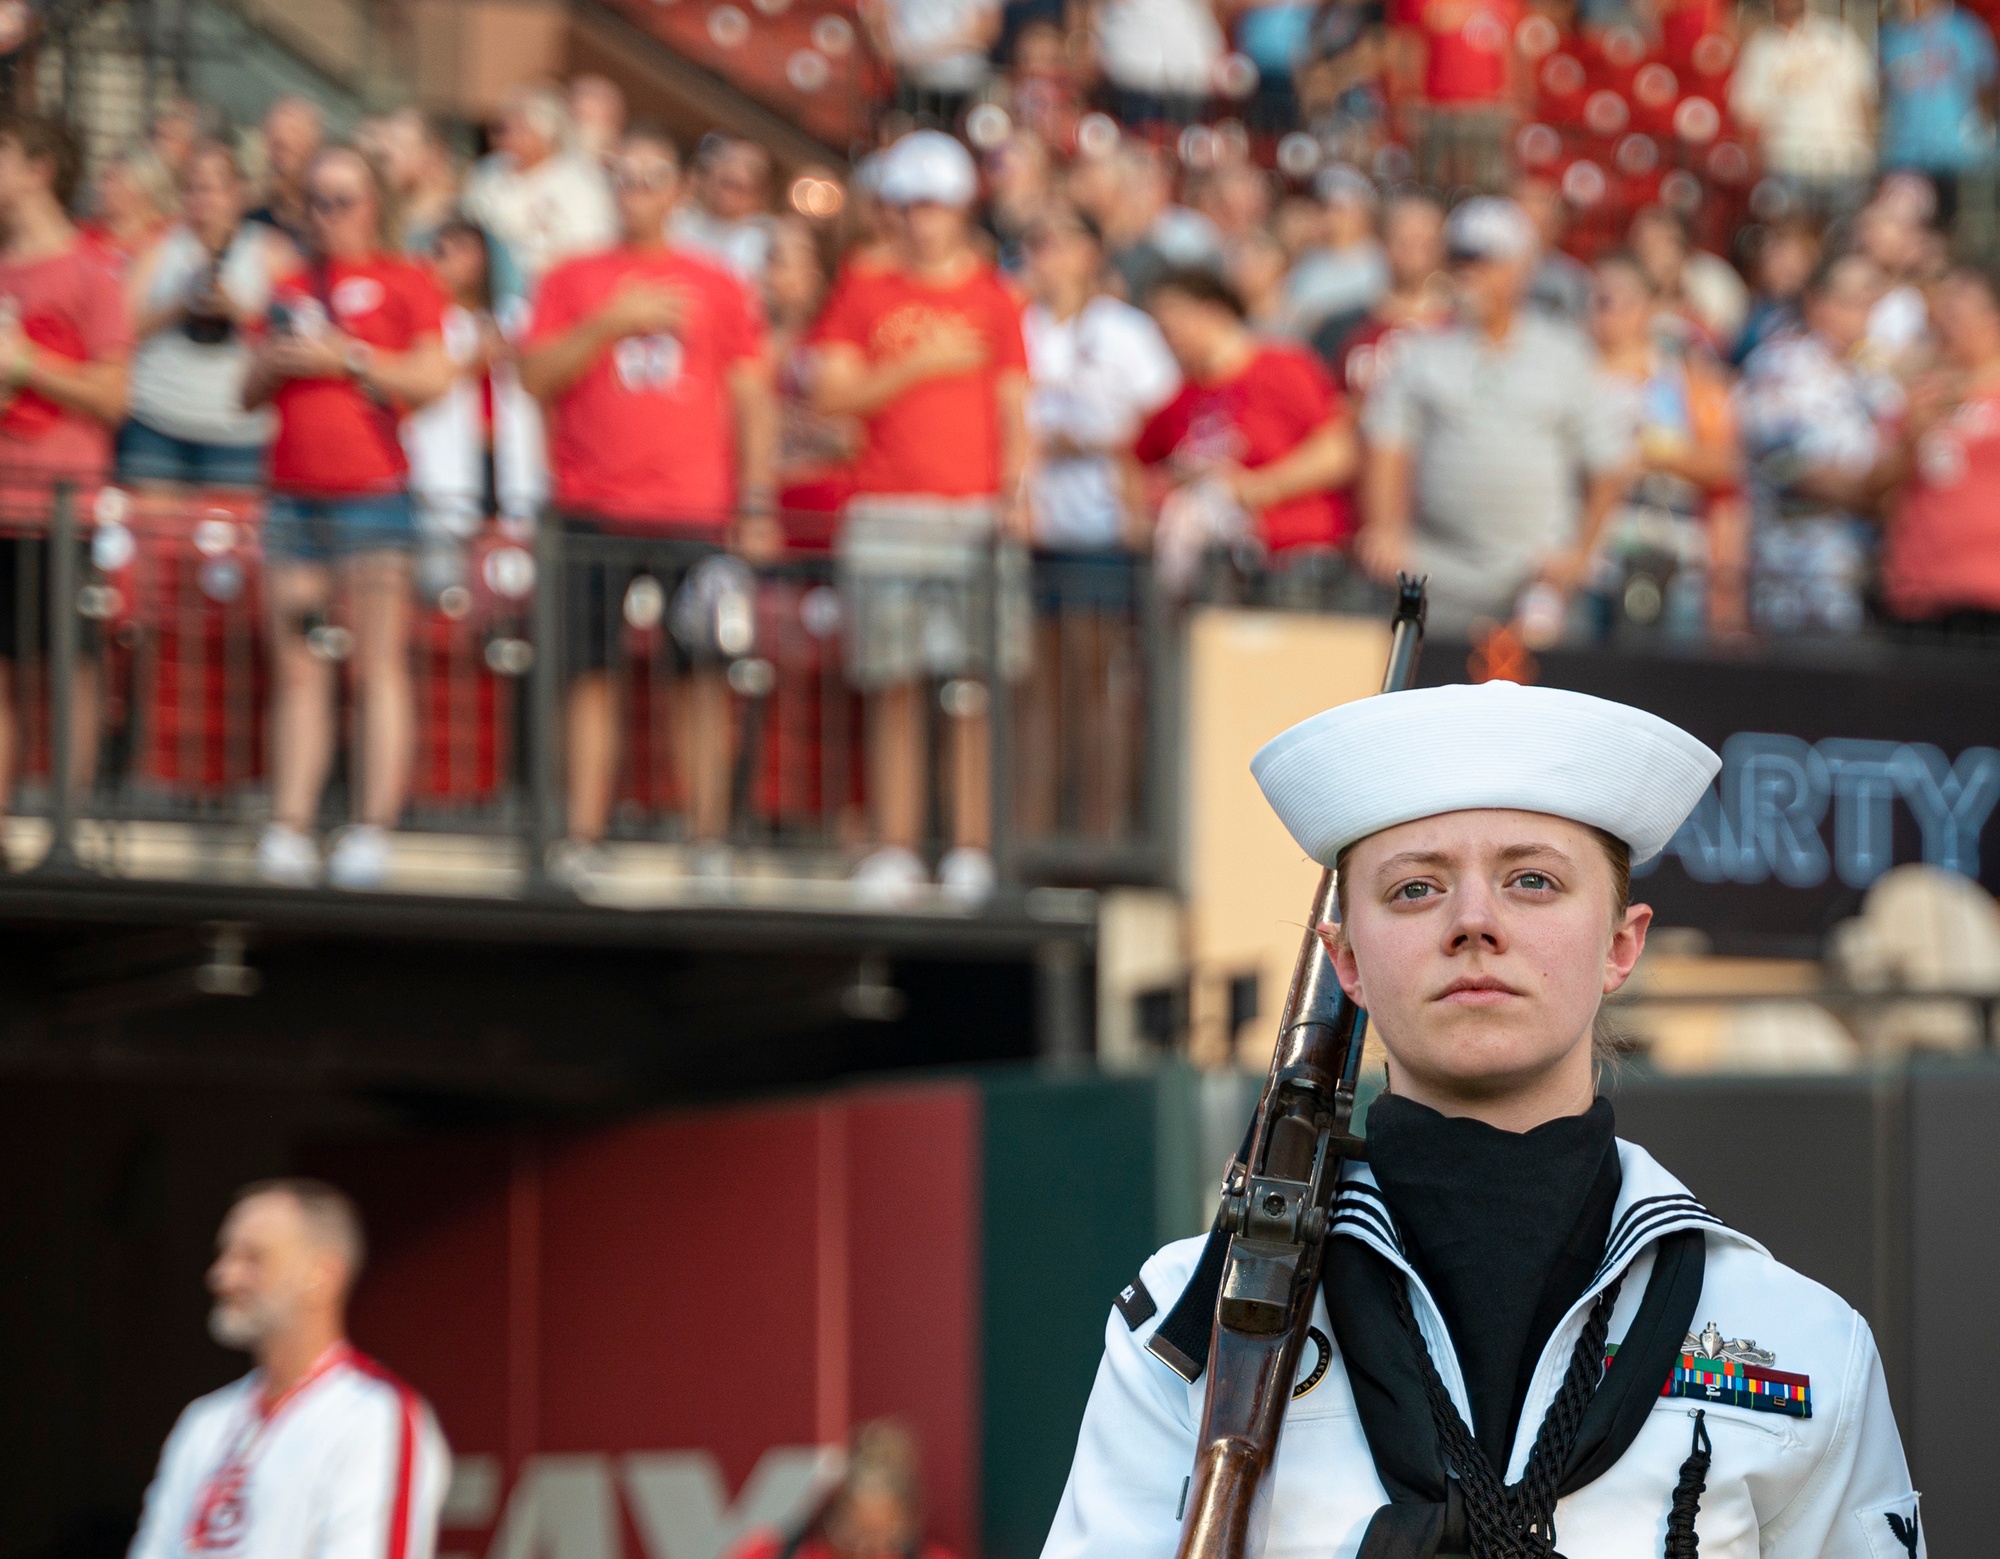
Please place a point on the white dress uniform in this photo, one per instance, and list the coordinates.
(1773, 1414)
(1779, 1486)
(349, 1464)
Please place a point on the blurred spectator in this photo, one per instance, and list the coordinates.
(727, 215)
(1159, 58)
(597, 111)
(1418, 298)
(1562, 283)
(1042, 87)
(418, 166)
(874, 1512)
(1782, 260)
(929, 355)
(178, 126)
(294, 131)
(1805, 87)
(481, 346)
(1235, 196)
(318, 1449)
(650, 363)
(1480, 438)
(1147, 232)
(1941, 557)
(1257, 444)
(1256, 268)
(194, 297)
(815, 451)
(1342, 276)
(1938, 76)
(1816, 432)
(540, 199)
(448, 442)
(1892, 235)
(1702, 288)
(1462, 54)
(1340, 82)
(1654, 564)
(1018, 189)
(354, 341)
(1097, 368)
(132, 200)
(1273, 35)
(64, 342)
(939, 49)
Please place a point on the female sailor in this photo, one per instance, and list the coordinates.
(1530, 1339)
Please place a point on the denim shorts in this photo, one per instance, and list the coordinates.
(148, 455)
(298, 529)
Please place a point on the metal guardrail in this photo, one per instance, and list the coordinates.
(147, 703)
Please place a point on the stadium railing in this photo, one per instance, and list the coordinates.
(143, 714)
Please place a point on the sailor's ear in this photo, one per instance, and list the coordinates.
(1342, 956)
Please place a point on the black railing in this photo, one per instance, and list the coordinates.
(146, 708)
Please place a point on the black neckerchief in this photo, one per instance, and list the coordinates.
(1425, 1516)
(1506, 1229)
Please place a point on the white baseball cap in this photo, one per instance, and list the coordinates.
(1369, 765)
(1490, 228)
(928, 165)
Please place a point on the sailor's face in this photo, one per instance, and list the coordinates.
(1481, 943)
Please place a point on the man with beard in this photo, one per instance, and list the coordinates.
(318, 1450)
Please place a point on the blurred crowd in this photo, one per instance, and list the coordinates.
(1614, 317)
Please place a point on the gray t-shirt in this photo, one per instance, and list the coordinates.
(1501, 440)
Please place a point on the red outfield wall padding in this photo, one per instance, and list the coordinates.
(637, 1337)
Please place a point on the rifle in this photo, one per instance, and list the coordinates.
(1277, 1198)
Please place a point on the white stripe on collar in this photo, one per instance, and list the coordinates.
(1651, 1203)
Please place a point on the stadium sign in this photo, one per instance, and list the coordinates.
(1839, 762)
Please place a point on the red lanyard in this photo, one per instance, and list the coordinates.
(221, 1512)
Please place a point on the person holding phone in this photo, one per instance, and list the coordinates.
(353, 341)
(193, 296)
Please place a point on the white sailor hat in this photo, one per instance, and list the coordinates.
(1369, 765)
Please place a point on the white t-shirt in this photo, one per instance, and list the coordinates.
(1166, 46)
(192, 389)
(1808, 91)
(560, 207)
(1094, 377)
(348, 1465)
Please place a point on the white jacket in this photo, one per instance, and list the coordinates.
(1822, 1487)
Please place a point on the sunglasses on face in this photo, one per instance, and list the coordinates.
(642, 176)
(331, 205)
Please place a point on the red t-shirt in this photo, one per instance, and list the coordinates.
(940, 437)
(333, 437)
(1265, 412)
(69, 306)
(1467, 46)
(648, 434)
(1942, 553)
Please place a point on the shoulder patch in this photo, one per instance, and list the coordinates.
(1892, 1528)
(1135, 1304)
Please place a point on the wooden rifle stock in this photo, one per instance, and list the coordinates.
(1275, 1208)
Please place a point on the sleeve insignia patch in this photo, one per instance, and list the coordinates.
(1735, 1372)
(1135, 1304)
